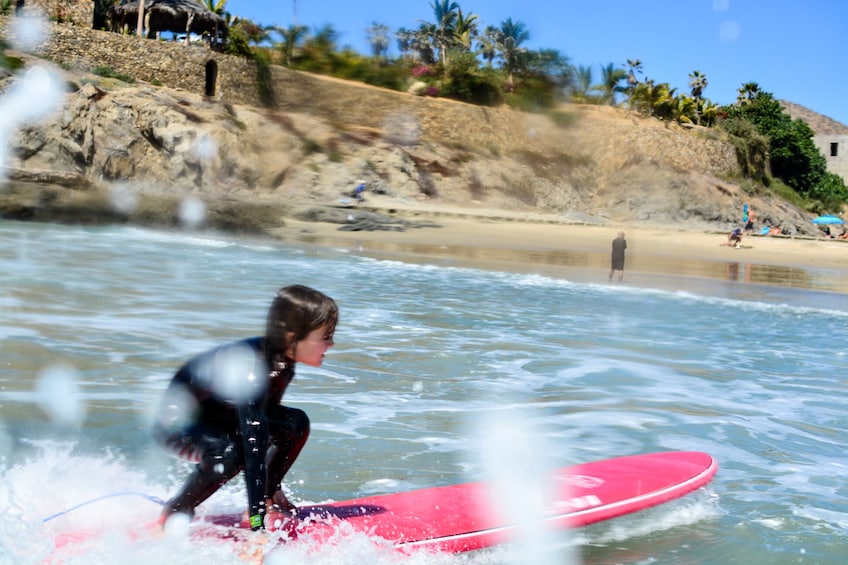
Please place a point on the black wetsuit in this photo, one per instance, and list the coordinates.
(222, 410)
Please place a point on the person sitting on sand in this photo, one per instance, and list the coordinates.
(358, 192)
(734, 239)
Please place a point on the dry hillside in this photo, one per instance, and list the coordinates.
(134, 153)
(821, 125)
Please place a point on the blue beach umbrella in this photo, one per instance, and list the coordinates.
(828, 220)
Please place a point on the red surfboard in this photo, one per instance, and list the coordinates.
(463, 517)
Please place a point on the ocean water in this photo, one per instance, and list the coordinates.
(439, 372)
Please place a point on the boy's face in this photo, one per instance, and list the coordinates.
(311, 349)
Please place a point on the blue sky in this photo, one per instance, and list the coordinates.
(795, 49)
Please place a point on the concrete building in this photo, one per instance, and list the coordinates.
(835, 151)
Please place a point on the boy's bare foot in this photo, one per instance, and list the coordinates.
(279, 512)
(280, 504)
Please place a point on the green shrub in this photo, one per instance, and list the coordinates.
(311, 146)
(533, 94)
(752, 148)
(785, 192)
(352, 66)
(563, 119)
(238, 43)
(465, 83)
(108, 72)
(11, 63)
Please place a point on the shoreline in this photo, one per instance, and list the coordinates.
(527, 243)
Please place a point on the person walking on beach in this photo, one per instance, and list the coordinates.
(619, 244)
(222, 409)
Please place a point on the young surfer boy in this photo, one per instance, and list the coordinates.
(222, 409)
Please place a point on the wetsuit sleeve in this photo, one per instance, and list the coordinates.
(254, 434)
(179, 405)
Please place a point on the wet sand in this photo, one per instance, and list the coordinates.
(662, 257)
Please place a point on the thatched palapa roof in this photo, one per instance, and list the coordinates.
(181, 16)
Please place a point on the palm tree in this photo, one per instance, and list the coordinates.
(488, 44)
(291, 39)
(445, 12)
(404, 39)
(465, 30)
(634, 67)
(665, 104)
(323, 42)
(686, 109)
(698, 82)
(708, 112)
(217, 6)
(422, 44)
(512, 35)
(746, 93)
(552, 64)
(582, 84)
(378, 37)
(610, 86)
(657, 100)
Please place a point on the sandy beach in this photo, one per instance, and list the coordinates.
(547, 245)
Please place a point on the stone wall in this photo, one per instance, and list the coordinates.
(193, 68)
(77, 12)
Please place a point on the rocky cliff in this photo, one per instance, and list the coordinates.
(143, 153)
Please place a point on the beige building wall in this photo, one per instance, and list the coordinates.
(835, 151)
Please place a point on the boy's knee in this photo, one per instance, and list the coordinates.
(300, 422)
(290, 425)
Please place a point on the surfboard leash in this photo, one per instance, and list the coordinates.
(150, 497)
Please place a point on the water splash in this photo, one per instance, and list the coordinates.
(58, 394)
(192, 211)
(122, 198)
(34, 96)
(514, 453)
(29, 32)
(206, 148)
(236, 374)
